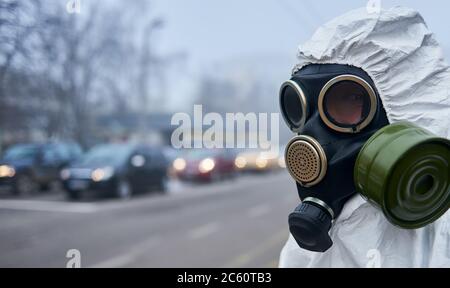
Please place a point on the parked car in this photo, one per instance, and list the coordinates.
(117, 170)
(205, 165)
(171, 155)
(28, 168)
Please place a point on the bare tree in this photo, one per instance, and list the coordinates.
(17, 24)
(59, 71)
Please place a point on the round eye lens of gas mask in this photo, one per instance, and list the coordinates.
(347, 104)
(293, 105)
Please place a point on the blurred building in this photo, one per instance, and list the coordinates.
(152, 129)
(29, 110)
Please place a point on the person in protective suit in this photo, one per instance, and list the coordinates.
(369, 101)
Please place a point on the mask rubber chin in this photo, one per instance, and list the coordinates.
(310, 224)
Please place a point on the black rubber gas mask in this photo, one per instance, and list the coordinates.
(334, 109)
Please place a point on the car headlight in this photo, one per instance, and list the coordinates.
(207, 165)
(240, 162)
(65, 174)
(102, 174)
(261, 163)
(7, 171)
(179, 164)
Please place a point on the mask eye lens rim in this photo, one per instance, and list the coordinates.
(351, 129)
(304, 106)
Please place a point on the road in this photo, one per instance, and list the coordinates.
(238, 223)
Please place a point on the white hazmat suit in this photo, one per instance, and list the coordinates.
(407, 66)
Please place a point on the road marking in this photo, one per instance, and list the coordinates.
(48, 206)
(245, 258)
(131, 255)
(203, 231)
(116, 262)
(259, 211)
(273, 264)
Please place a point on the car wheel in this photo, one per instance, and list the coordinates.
(123, 190)
(44, 187)
(25, 185)
(51, 186)
(73, 195)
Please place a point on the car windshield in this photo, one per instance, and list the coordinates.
(108, 155)
(21, 152)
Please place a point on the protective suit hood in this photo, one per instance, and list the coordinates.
(408, 68)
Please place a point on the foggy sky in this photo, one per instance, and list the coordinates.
(214, 32)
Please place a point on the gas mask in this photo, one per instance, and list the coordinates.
(342, 127)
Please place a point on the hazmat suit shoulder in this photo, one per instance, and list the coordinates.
(406, 63)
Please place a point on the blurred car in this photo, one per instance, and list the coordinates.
(171, 155)
(206, 165)
(116, 170)
(28, 168)
(258, 161)
(281, 159)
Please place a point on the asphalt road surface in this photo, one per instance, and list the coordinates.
(238, 223)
